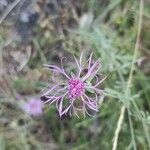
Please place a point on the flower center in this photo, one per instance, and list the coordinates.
(76, 88)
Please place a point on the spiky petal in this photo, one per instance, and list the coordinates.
(78, 92)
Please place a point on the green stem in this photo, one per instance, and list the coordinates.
(121, 117)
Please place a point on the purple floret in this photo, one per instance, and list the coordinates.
(78, 93)
(33, 107)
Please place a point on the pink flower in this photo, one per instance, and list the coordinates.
(75, 92)
(33, 107)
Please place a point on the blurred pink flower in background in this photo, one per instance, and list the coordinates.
(33, 107)
(78, 91)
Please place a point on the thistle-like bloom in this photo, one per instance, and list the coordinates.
(33, 107)
(79, 91)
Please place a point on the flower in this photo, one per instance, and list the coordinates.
(33, 107)
(79, 91)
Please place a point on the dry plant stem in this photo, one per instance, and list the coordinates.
(8, 10)
(120, 120)
(121, 117)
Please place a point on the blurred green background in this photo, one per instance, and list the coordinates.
(34, 32)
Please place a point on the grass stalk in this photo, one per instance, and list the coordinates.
(8, 10)
(123, 108)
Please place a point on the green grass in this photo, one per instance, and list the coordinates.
(112, 37)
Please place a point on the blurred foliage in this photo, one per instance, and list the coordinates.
(38, 32)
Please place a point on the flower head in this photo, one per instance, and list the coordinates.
(78, 91)
(33, 107)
